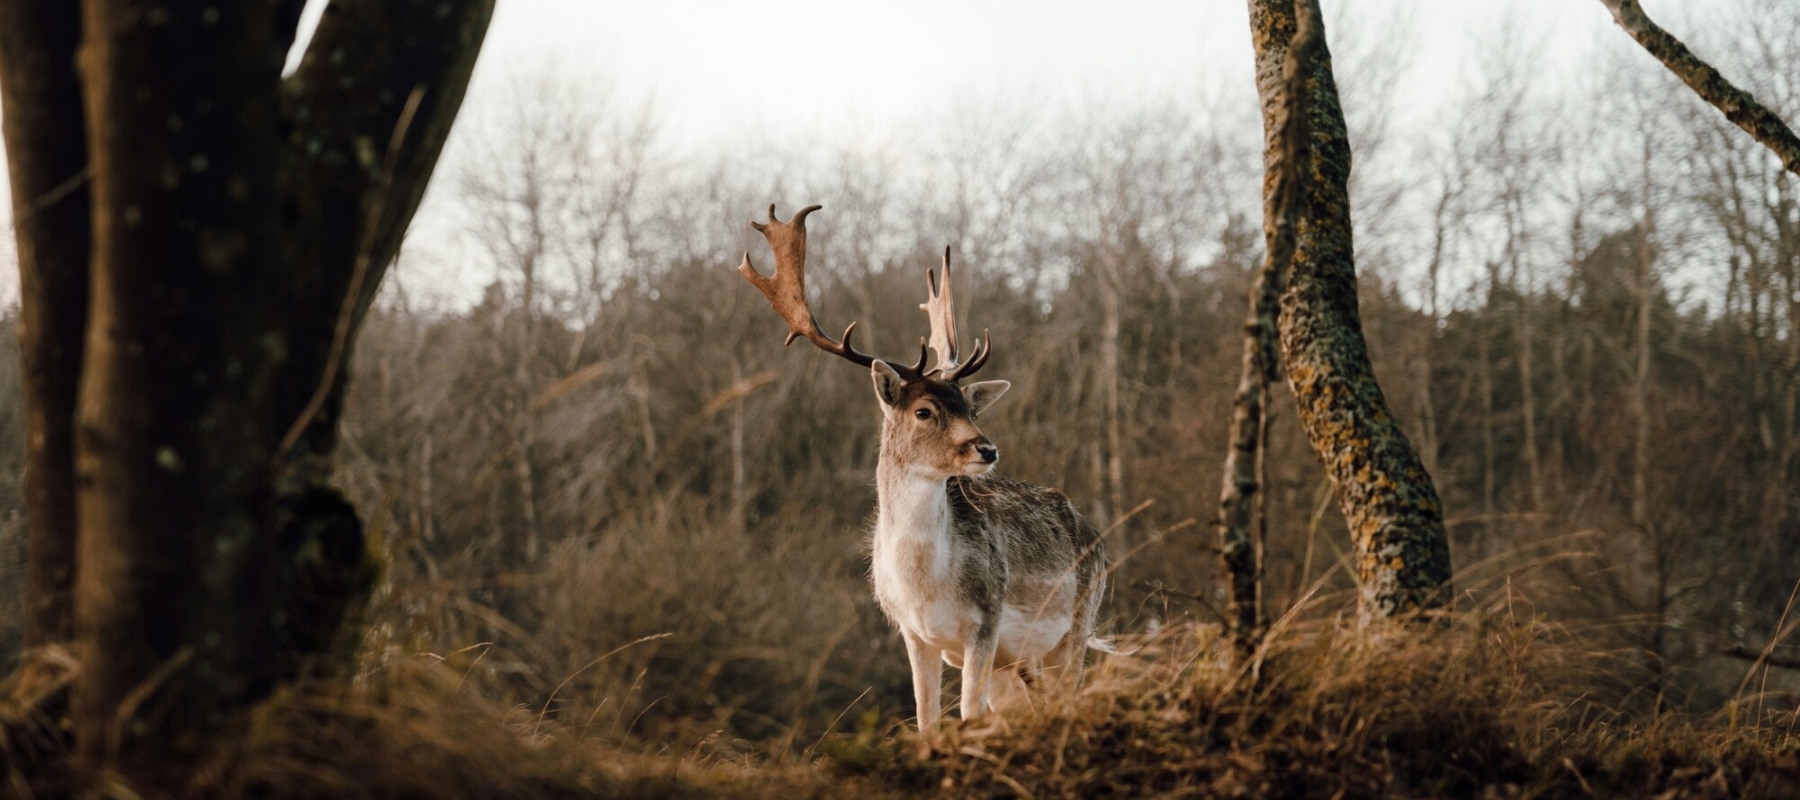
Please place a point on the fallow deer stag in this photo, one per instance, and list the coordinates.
(979, 571)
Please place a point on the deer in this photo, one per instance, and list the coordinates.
(976, 571)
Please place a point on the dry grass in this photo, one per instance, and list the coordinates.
(416, 731)
(1468, 706)
(1477, 704)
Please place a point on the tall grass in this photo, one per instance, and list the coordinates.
(1477, 703)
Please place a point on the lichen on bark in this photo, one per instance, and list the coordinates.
(1395, 518)
(1736, 104)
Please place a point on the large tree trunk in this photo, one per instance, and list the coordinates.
(239, 227)
(1396, 523)
(173, 433)
(41, 96)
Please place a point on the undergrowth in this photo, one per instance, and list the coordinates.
(1466, 705)
(1469, 705)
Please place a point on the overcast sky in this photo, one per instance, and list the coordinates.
(819, 71)
(799, 67)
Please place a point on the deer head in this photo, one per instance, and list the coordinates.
(928, 416)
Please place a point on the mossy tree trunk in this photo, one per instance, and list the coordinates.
(1396, 522)
(199, 240)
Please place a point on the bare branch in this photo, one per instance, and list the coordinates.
(1745, 653)
(1737, 105)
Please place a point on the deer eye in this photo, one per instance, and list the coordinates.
(923, 413)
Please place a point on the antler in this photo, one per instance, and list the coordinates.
(942, 309)
(786, 291)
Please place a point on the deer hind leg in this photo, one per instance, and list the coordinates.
(978, 670)
(928, 681)
(1069, 658)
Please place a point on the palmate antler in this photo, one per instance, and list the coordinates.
(942, 310)
(786, 291)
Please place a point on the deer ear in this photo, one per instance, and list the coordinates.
(887, 383)
(983, 394)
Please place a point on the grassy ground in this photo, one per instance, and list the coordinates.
(1475, 705)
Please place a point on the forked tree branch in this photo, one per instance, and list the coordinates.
(339, 108)
(1738, 105)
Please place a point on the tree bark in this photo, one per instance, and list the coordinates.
(173, 597)
(1396, 522)
(194, 290)
(340, 109)
(1243, 478)
(1736, 104)
(41, 98)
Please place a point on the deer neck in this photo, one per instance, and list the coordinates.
(911, 506)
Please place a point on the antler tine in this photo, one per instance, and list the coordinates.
(940, 305)
(786, 289)
(983, 348)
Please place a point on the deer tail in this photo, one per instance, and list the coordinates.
(1110, 646)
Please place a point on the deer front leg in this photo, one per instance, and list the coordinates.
(928, 681)
(978, 669)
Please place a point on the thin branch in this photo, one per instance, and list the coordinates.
(1241, 522)
(341, 334)
(1737, 105)
(1745, 653)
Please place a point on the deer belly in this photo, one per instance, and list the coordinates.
(1036, 616)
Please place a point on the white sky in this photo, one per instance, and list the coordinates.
(796, 67)
(817, 71)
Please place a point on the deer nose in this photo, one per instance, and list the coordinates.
(989, 453)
